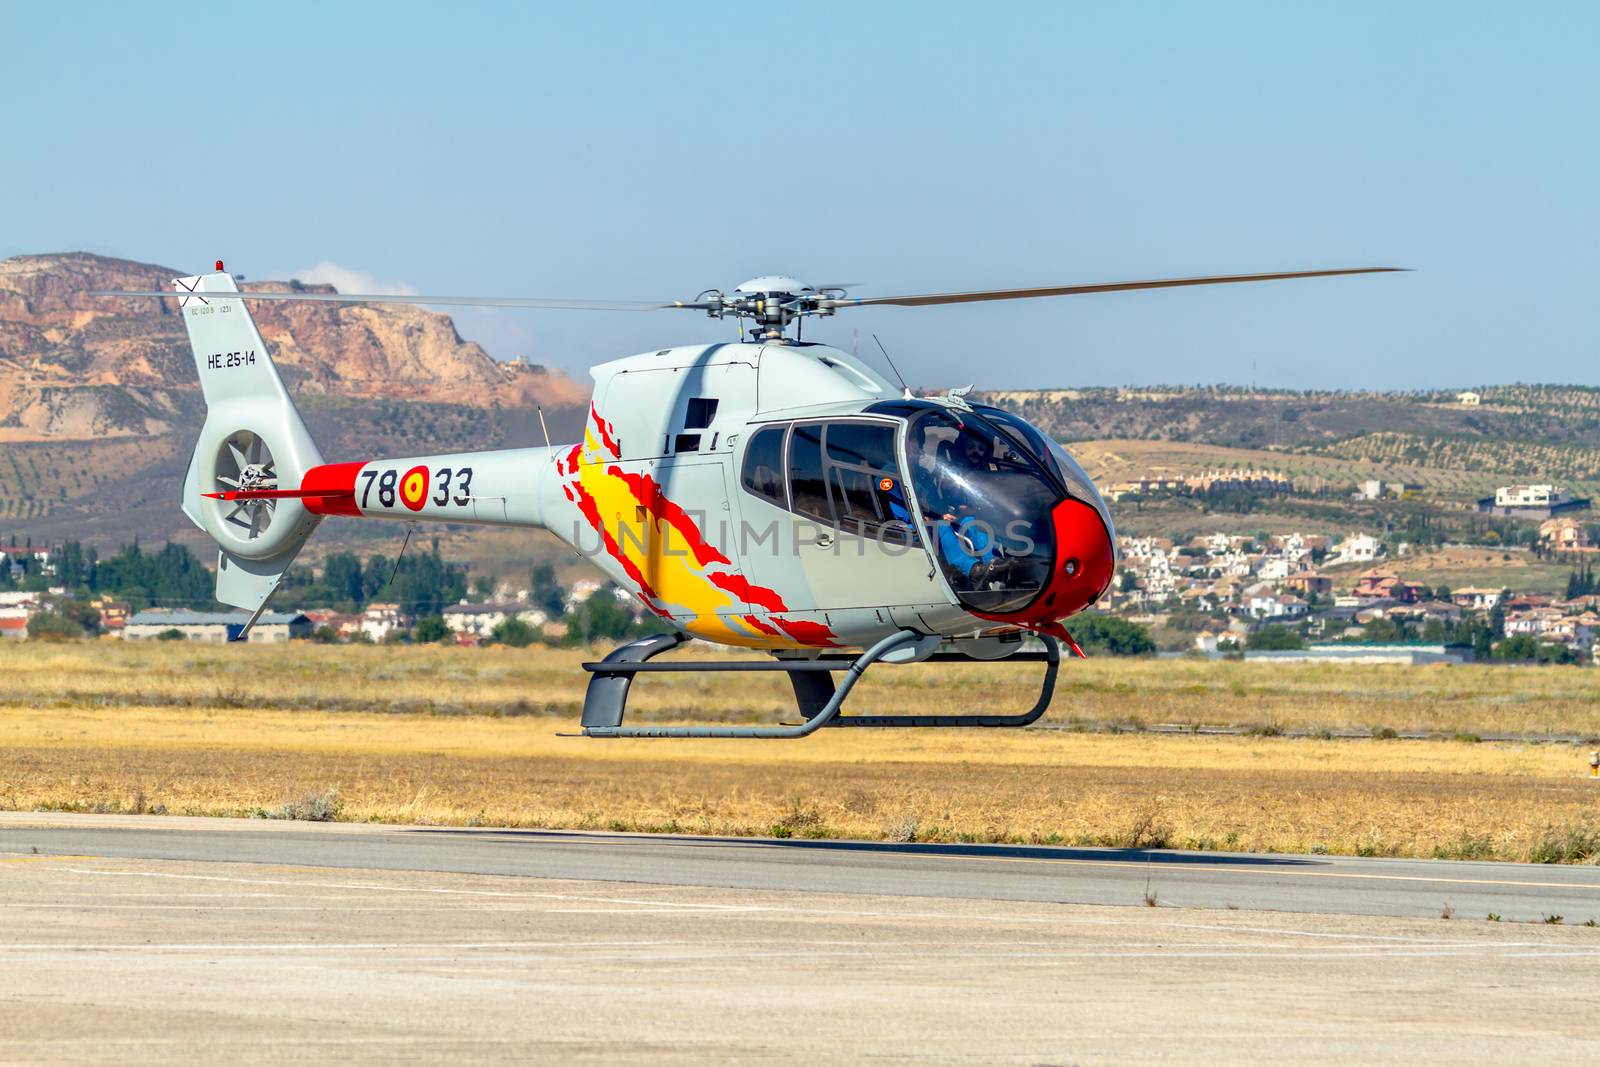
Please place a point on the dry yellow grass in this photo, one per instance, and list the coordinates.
(410, 735)
(498, 681)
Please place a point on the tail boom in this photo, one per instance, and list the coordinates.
(500, 488)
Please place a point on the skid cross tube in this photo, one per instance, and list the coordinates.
(853, 670)
(1052, 660)
(819, 700)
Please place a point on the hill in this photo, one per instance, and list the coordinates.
(99, 401)
(1453, 451)
(77, 367)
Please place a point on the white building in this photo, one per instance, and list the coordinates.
(480, 620)
(274, 627)
(1359, 548)
(1295, 547)
(1477, 599)
(1530, 496)
(1275, 569)
(381, 620)
(1468, 399)
(1265, 604)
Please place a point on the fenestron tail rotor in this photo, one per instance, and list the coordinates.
(771, 302)
(244, 468)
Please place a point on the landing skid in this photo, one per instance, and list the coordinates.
(816, 694)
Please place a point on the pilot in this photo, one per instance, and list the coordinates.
(965, 542)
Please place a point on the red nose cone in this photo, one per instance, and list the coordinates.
(1084, 561)
(1083, 564)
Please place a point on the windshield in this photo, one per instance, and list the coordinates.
(987, 501)
(1062, 465)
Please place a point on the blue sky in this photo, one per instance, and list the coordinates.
(650, 151)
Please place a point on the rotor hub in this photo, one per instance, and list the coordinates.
(771, 302)
(257, 476)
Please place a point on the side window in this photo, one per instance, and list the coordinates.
(863, 476)
(763, 465)
(807, 486)
(846, 474)
(861, 444)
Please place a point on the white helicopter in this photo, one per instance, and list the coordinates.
(771, 494)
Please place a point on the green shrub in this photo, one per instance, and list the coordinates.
(1111, 636)
(1276, 639)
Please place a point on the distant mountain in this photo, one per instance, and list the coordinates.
(99, 403)
(76, 367)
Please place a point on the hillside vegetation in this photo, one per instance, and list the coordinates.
(1567, 463)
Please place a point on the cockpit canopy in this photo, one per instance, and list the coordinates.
(986, 505)
(983, 488)
(987, 484)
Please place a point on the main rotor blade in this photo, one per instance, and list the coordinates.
(1103, 287)
(390, 298)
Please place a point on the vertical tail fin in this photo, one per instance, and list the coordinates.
(253, 438)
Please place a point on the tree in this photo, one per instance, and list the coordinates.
(341, 573)
(602, 617)
(1276, 639)
(375, 575)
(1548, 653)
(431, 629)
(514, 632)
(1109, 635)
(171, 576)
(70, 568)
(53, 626)
(546, 592)
(1517, 647)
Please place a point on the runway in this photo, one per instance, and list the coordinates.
(160, 939)
(1327, 884)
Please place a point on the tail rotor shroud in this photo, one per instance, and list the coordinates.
(245, 463)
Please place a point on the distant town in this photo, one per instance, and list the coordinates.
(1341, 596)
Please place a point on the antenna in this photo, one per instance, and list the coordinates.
(410, 526)
(542, 426)
(892, 367)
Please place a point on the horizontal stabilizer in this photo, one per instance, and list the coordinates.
(282, 494)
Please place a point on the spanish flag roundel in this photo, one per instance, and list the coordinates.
(414, 488)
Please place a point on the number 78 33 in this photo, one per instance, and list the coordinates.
(416, 488)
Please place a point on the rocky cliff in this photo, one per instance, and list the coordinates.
(76, 367)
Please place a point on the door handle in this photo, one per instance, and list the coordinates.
(825, 540)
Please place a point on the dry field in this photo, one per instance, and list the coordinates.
(1459, 566)
(1113, 460)
(469, 736)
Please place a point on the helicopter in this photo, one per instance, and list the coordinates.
(771, 494)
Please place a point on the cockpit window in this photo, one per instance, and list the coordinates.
(847, 475)
(808, 489)
(987, 500)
